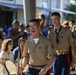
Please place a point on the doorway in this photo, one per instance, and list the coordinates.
(6, 18)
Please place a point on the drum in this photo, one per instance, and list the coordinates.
(10, 66)
(1, 69)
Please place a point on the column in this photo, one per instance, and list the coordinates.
(33, 8)
(29, 8)
(61, 8)
(15, 14)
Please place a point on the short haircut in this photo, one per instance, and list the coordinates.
(22, 25)
(55, 14)
(42, 16)
(73, 21)
(35, 20)
(15, 22)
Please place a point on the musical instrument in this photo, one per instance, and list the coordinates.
(12, 68)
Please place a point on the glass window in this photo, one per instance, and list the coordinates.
(65, 3)
(53, 3)
(38, 3)
(44, 4)
(7, 0)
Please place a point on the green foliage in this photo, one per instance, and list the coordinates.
(71, 7)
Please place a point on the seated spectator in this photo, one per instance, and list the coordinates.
(6, 48)
(42, 22)
(22, 31)
(14, 33)
(6, 53)
(19, 47)
(27, 31)
(2, 35)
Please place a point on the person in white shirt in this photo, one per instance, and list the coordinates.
(6, 48)
(6, 53)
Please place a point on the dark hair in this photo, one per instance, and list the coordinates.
(15, 22)
(35, 20)
(22, 25)
(21, 39)
(55, 14)
(42, 16)
(27, 26)
(73, 21)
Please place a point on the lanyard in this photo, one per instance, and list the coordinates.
(57, 33)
